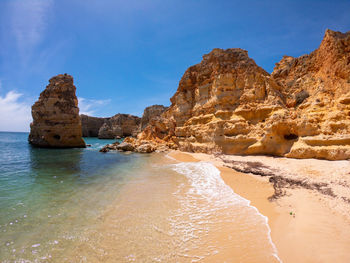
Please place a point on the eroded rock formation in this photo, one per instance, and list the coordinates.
(56, 121)
(228, 104)
(150, 113)
(91, 125)
(322, 120)
(121, 125)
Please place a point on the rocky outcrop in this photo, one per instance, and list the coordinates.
(109, 147)
(227, 104)
(145, 146)
(150, 113)
(120, 125)
(56, 121)
(91, 125)
(317, 91)
(125, 146)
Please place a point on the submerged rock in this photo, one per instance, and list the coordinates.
(109, 147)
(56, 121)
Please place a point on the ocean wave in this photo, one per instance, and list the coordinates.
(209, 201)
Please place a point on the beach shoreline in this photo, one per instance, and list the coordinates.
(308, 224)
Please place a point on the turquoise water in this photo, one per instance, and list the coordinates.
(43, 191)
(80, 205)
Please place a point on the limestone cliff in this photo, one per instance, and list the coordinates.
(91, 125)
(56, 121)
(151, 112)
(228, 104)
(119, 125)
(317, 90)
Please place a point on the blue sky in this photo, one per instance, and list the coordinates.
(126, 55)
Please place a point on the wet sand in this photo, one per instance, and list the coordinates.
(318, 230)
(169, 212)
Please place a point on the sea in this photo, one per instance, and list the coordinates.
(81, 205)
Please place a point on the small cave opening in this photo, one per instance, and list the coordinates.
(290, 137)
(57, 137)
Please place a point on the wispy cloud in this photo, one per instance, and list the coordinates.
(15, 110)
(15, 114)
(29, 21)
(90, 107)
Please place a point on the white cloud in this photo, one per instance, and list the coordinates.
(89, 107)
(29, 21)
(15, 112)
(15, 115)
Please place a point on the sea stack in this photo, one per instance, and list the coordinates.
(56, 122)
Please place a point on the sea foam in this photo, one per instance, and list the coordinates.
(209, 201)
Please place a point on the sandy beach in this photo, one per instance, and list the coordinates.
(306, 201)
(161, 215)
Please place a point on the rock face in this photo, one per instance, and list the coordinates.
(321, 119)
(91, 125)
(119, 125)
(56, 121)
(151, 112)
(227, 104)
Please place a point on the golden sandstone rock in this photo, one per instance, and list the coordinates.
(56, 121)
(149, 113)
(120, 125)
(227, 104)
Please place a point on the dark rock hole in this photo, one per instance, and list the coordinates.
(291, 136)
(57, 137)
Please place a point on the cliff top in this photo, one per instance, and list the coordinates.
(61, 78)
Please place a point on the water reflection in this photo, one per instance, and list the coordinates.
(48, 162)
